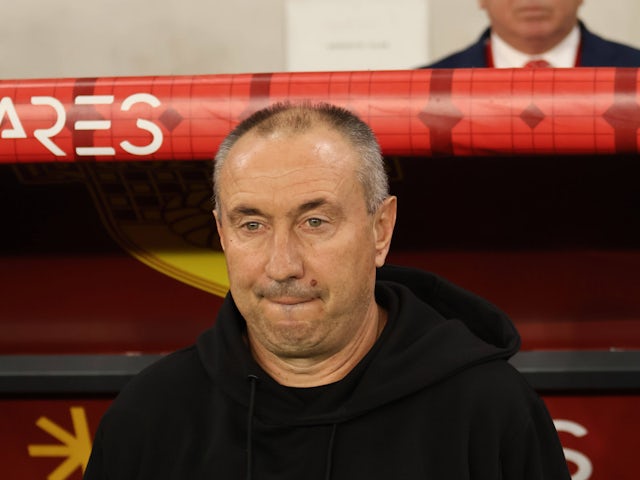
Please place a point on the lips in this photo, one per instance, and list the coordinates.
(287, 294)
(289, 301)
(530, 12)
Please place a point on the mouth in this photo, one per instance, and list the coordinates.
(288, 295)
(289, 301)
(533, 12)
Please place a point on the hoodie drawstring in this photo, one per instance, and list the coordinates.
(253, 380)
(252, 400)
(327, 473)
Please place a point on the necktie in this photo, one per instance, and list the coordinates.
(539, 63)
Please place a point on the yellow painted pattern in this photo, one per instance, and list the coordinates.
(74, 447)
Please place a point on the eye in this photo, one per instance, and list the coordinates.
(252, 226)
(315, 222)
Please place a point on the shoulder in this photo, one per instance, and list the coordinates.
(473, 56)
(497, 390)
(166, 392)
(149, 417)
(600, 52)
(176, 375)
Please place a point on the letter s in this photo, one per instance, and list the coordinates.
(142, 124)
(585, 469)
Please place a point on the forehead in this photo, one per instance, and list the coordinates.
(289, 159)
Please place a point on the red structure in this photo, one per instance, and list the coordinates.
(464, 112)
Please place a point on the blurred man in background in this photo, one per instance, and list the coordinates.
(538, 33)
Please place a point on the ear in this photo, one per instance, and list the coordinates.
(219, 228)
(385, 221)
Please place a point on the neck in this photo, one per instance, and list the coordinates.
(536, 47)
(535, 44)
(304, 372)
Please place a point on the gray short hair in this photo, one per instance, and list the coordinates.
(301, 117)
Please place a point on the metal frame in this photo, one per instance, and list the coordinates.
(548, 371)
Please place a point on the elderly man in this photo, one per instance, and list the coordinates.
(535, 33)
(323, 363)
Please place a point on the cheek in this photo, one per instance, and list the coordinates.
(241, 264)
(349, 263)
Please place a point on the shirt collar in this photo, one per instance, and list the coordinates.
(562, 55)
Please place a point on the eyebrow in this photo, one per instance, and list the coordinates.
(245, 210)
(311, 205)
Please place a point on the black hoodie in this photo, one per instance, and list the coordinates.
(435, 398)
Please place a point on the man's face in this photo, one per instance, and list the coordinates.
(532, 22)
(300, 246)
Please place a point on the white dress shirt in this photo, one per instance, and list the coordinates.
(562, 55)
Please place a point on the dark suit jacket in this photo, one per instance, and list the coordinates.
(596, 52)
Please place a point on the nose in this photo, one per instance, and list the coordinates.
(285, 259)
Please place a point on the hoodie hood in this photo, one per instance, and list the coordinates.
(434, 330)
